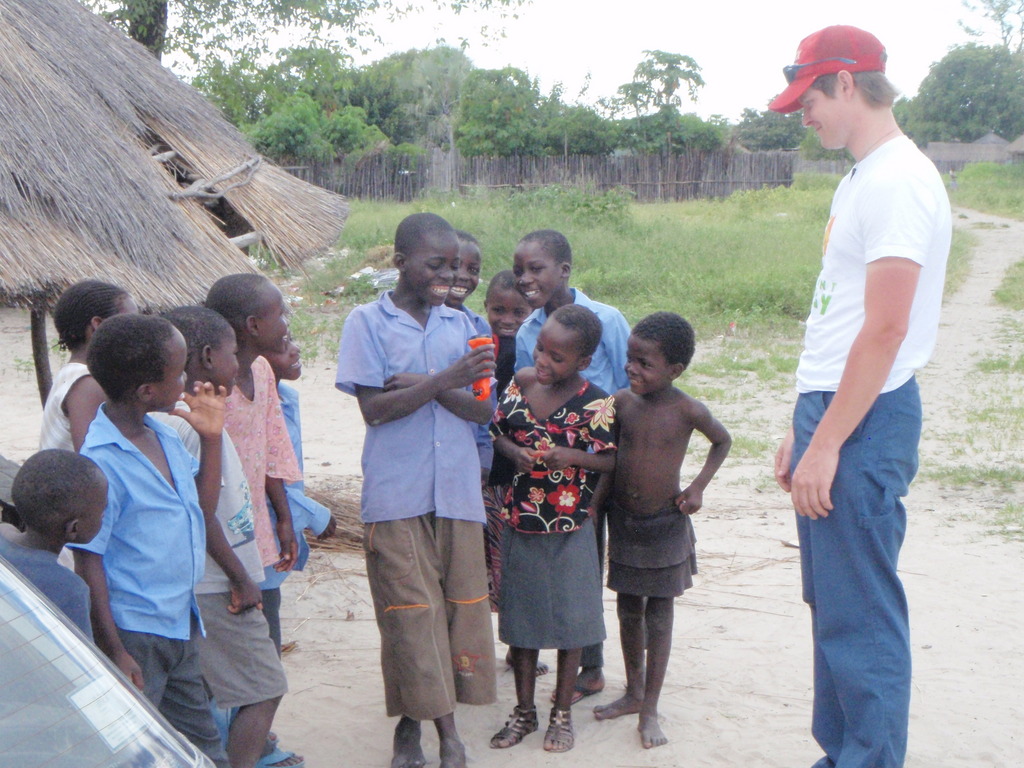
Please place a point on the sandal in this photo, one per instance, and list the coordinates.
(560, 736)
(520, 724)
(280, 758)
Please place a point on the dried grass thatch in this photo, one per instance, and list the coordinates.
(99, 140)
(344, 505)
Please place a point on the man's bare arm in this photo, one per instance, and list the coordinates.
(888, 296)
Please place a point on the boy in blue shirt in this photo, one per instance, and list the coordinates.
(542, 265)
(143, 565)
(406, 359)
(59, 497)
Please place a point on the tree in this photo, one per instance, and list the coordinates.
(498, 114)
(347, 131)
(241, 90)
(657, 80)
(759, 131)
(670, 132)
(576, 130)
(435, 85)
(245, 92)
(293, 131)
(381, 90)
(974, 89)
(1006, 15)
(245, 26)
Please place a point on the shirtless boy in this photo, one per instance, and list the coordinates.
(650, 537)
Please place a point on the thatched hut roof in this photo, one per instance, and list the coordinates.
(1016, 147)
(98, 141)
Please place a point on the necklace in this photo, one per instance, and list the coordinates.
(887, 135)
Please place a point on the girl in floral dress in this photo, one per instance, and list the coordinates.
(556, 427)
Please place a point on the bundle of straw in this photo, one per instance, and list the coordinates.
(344, 506)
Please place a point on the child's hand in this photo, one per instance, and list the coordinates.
(524, 460)
(690, 500)
(245, 595)
(289, 547)
(329, 530)
(127, 664)
(206, 409)
(403, 381)
(558, 457)
(476, 364)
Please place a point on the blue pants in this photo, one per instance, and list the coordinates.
(848, 560)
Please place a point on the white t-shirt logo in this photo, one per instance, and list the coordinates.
(823, 296)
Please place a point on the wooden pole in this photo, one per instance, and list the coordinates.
(41, 351)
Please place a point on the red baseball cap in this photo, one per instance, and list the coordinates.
(827, 51)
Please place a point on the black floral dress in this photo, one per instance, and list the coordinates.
(547, 500)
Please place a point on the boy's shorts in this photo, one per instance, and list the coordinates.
(239, 661)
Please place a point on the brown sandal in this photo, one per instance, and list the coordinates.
(560, 736)
(520, 724)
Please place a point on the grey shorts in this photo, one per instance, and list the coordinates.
(237, 656)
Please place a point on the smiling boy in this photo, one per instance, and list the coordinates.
(651, 542)
(405, 357)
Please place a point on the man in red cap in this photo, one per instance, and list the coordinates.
(852, 451)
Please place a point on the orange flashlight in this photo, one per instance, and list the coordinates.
(481, 387)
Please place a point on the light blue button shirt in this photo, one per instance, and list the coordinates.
(153, 537)
(607, 369)
(426, 461)
(306, 513)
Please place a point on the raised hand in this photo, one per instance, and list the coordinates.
(206, 409)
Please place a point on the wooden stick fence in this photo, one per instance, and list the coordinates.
(649, 177)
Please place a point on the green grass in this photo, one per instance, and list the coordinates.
(1010, 292)
(977, 475)
(1001, 365)
(746, 259)
(959, 264)
(992, 188)
(744, 447)
(1009, 522)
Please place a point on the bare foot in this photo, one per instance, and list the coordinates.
(651, 734)
(453, 754)
(590, 681)
(627, 705)
(408, 752)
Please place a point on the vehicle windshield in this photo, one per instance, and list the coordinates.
(62, 704)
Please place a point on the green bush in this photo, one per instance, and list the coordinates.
(292, 131)
(347, 131)
(609, 207)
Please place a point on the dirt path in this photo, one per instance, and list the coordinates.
(974, 328)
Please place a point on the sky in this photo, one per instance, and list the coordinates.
(741, 46)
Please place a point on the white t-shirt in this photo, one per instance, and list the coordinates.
(56, 429)
(891, 204)
(234, 509)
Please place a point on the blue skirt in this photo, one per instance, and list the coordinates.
(550, 590)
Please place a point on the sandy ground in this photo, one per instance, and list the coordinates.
(738, 688)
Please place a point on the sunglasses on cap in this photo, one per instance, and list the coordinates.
(790, 71)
